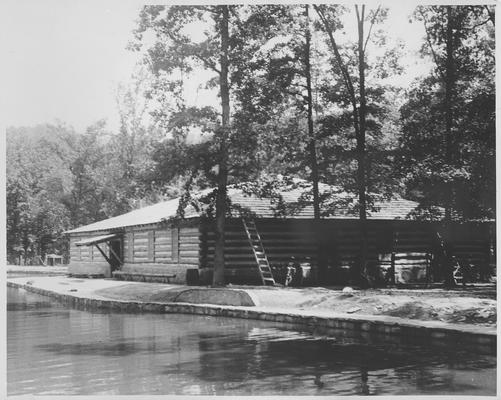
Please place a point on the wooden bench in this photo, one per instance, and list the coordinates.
(129, 276)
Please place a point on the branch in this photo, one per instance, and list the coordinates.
(346, 76)
(209, 64)
(491, 15)
(479, 24)
(294, 93)
(373, 21)
(431, 46)
(342, 66)
(356, 10)
(238, 22)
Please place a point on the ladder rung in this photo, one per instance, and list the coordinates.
(259, 252)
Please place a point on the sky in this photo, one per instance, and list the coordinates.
(63, 60)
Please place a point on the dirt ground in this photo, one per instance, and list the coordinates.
(455, 306)
(470, 305)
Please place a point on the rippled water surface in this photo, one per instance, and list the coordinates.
(53, 349)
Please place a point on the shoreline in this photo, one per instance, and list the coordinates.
(481, 338)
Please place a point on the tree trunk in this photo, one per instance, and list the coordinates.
(361, 157)
(312, 144)
(218, 277)
(449, 158)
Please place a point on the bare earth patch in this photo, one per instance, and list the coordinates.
(456, 306)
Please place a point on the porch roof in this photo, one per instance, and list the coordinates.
(96, 240)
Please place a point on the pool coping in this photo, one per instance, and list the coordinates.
(481, 338)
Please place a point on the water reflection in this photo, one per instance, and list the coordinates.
(56, 350)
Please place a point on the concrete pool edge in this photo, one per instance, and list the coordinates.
(438, 332)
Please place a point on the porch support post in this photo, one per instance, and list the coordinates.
(104, 255)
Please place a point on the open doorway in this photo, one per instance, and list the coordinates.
(115, 256)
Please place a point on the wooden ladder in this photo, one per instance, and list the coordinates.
(256, 244)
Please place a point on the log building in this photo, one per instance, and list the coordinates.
(152, 244)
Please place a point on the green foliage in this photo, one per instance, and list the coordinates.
(58, 179)
(36, 181)
(469, 164)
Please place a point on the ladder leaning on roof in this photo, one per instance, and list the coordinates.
(256, 244)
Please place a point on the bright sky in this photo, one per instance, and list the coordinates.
(63, 60)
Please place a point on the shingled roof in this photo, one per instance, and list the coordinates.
(397, 208)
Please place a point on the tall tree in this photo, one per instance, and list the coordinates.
(176, 52)
(448, 145)
(356, 92)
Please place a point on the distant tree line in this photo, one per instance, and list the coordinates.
(296, 98)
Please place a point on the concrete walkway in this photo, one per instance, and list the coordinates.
(247, 303)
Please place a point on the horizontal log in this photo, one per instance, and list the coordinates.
(162, 253)
(471, 241)
(471, 250)
(189, 246)
(141, 248)
(142, 234)
(189, 260)
(140, 256)
(287, 256)
(422, 261)
(163, 250)
(185, 254)
(267, 246)
(250, 257)
(189, 233)
(411, 254)
(247, 250)
(163, 259)
(415, 247)
(234, 264)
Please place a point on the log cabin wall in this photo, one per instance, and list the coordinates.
(287, 238)
(161, 249)
(87, 260)
(412, 242)
(474, 243)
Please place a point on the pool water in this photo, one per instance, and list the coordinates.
(54, 349)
